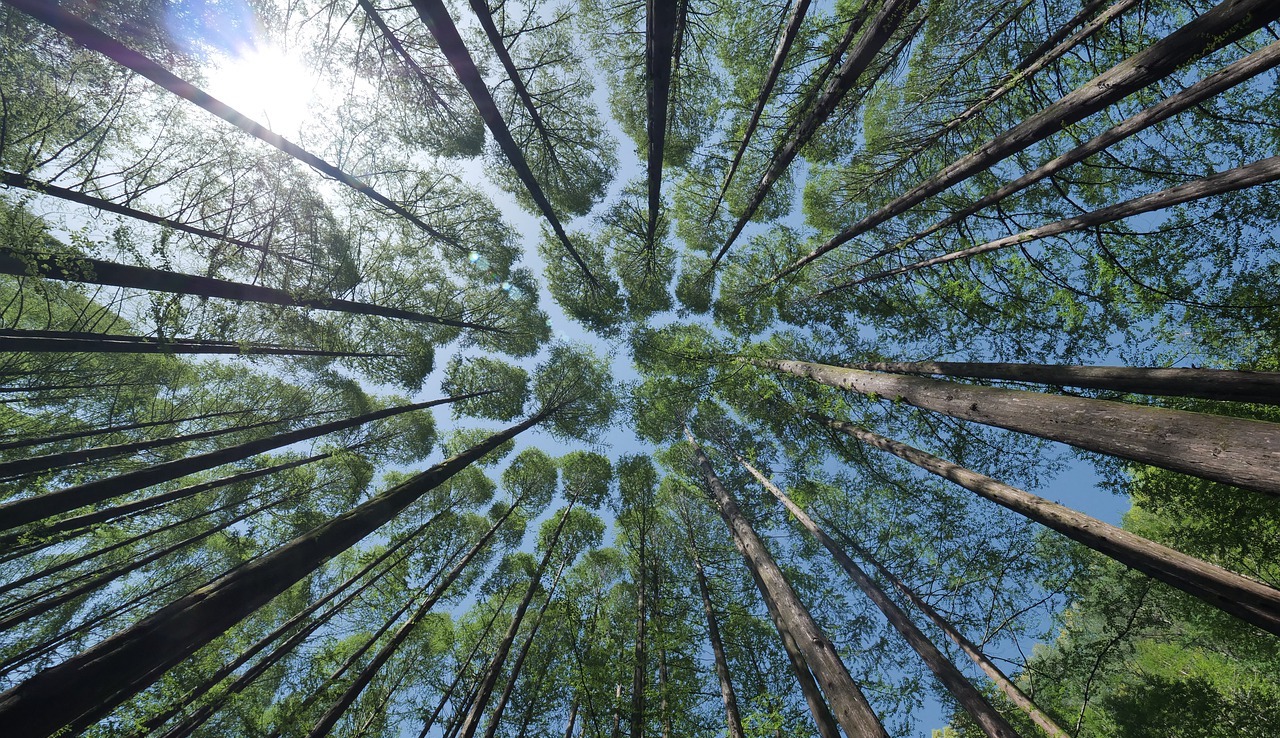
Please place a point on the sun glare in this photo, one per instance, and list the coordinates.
(266, 84)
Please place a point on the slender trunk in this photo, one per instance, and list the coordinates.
(791, 617)
(344, 702)
(617, 711)
(436, 15)
(96, 271)
(494, 669)
(664, 713)
(1244, 453)
(1260, 61)
(17, 340)
(13, 179)
(48, 535)
(405, 57)
(660, 41)
(531, 704)
(1221, 26)
(1250, 175)
(785, 40)
(64, 459)
(263, 643)
(92, 38)
(89, 685)
(1232, 593)
(72, 435)
(639, 654)
(99, 386)
(881, 29)
(21, 512)
(732, 717)
(1213, 384)
(495, 718)
(988, 720)
(1006, 685)
(573, 718)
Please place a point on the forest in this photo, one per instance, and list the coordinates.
(644, 369)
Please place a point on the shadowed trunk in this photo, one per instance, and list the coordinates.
(659, 46)
(72, 435)
(732, 717)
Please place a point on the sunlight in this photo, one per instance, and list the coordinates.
(267, 84)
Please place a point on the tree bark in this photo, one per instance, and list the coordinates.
(660, 43)
(21, 512)
(791, 616)
(1006, 685)
(89, 685)
(1251, 601)
(988, 720)
(95, 271)
(1212, 384)
(72, 435)
(32, 342)
(1244, 453)
(1221, 26)
(733, 718)
(1250, 175)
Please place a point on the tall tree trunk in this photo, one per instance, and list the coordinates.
(344, 702)
(89, 685)
(13, 179)
(659, 46)
(1244, 598)
(1213, 384)
(791, 616)
(664, 712)
(494, 669)
(1260, 61)
(47, 535)
(1244, 453)
(573, 717)
(989, 721)
(1231, 180)
(733, 718)
(639, 653)
(15, 340)
(881, 29)
(92, 38)
(21, 512)
(436, 15)
(405, 58)
(95, 271)
(1221, 26)
(785, 41)
(1006, 685)
(73, 435)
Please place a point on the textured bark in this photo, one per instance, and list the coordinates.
(1212, 384)
(988, 720)
(494, 669)
(785, 40)
(1224, 79)
(92, 38)
(1006, 685)
(1250, 175)
(733, 718)
(1244, 453)
(879, 32)
(1221, 26)
(660, 43)
(23, 511)
(791, 616)
(436, 15)
(89, 685)
(96, 271)
(348, 697)
(13, 179)
(1251, 601)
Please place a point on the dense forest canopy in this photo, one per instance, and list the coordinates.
(665, 368)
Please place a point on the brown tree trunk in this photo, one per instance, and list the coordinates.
(56, 342)
(1244, 453)
(791, 617)
(1213, 384)
(90, 684)
(1250, 175)
(988, 720)
(732, 717)
(660, 42)
(1223, 25)
(1006, 685)
(23, 511)
(1248, 600)
(573, 716)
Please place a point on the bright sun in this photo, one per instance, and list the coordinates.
(266, 84)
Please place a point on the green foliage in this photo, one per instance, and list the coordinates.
(507, 387)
